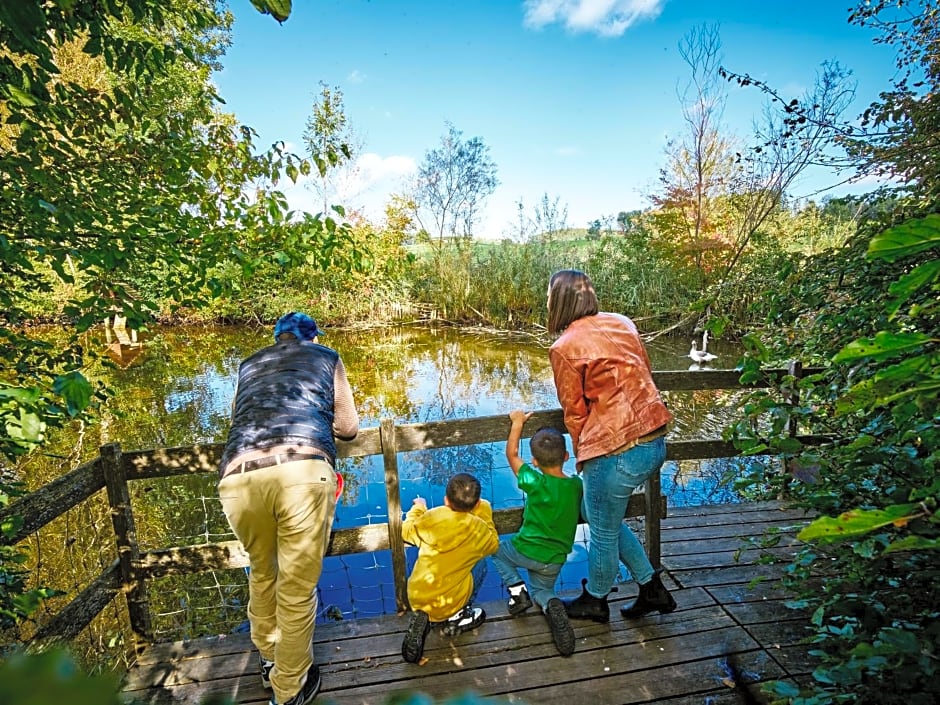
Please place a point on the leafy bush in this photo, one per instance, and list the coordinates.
(875, 485)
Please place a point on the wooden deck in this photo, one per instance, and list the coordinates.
(676, 658)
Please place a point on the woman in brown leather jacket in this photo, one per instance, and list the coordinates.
(617, 421)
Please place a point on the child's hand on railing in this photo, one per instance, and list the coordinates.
(420, 502)
(518, 417)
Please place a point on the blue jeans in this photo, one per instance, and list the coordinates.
(478, 573)
(608, 483)
(542, 576)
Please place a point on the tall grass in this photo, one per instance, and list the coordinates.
(504, 284)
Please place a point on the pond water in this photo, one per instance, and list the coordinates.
(176, 387)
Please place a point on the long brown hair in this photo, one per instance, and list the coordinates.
(570, 296)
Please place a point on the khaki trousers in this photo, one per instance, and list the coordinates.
(283, 515)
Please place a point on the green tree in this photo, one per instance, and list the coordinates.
(118, 179)
(328, 132)
(693, 210)
(453, 181)
(551, 217)
(869, 312)
(895, 137)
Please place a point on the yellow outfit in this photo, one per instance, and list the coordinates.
(449, 544)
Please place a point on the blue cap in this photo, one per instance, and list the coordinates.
(299, 324)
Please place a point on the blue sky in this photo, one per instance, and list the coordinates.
(575, 98)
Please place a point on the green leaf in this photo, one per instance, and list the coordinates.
(913, 543)
(884, 345)
(789, 445)
(858, 522)
(278, 9)
(21, 97)
(906, 239)
(23, 396)
(911, 282)
(75, 389)
(913, 375)
(26, 21)
(28, 428)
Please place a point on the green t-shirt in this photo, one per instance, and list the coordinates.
(550, 517)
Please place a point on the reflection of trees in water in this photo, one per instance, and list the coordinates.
(688, 483)
(703, 413)
(437, 466)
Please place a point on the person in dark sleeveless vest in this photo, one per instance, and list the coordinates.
(278, 492)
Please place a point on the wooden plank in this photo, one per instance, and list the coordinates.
(125, 536)
(52, 500)
(774, 611)
(661, 683)
(231, 554)
(796, 660)
(734, 594)
(224, 555)
(190, 460)
(744, 530)
(389, 439)
(787, 632)
(718, 559)
(653, 497)
(69, 621)
(752, 669)
(547, 685)
(707, 577)
(733, 543)
(717, 514)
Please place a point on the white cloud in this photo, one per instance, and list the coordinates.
(365, 185)
(377, 168)
(607, 18)
(356, 76)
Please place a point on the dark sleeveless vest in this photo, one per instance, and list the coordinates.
(285, 395)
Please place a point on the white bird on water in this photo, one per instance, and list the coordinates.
(701, 356)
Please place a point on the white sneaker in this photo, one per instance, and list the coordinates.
(466, 619)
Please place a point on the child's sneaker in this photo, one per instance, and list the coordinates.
(562, 633)
(466, 619)
(266, 668)
(412, 647)
(519, 600)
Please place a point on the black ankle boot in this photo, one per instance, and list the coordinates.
(587, 606)
(653, 596)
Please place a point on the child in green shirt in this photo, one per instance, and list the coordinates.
(549, 521)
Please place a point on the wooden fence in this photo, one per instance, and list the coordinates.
(129, 574)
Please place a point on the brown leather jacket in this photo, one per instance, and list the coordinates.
(605, 385)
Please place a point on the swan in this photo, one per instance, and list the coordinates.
(700, 356)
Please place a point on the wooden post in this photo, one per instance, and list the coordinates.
(125, 533)
(654, 500)
(393, 492)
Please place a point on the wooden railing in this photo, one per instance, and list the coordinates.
(114, 469)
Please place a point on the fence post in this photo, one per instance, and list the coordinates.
(393, 492)
(654, 499)
(125, 534)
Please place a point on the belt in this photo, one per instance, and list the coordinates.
(278, 459)
(651, 436)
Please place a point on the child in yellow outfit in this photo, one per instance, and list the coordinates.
(453, 541)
